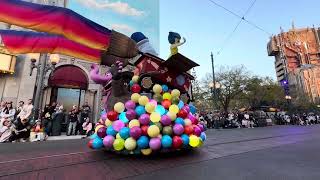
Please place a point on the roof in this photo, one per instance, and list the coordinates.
(149, 56)
(69, 76)
(180, 62)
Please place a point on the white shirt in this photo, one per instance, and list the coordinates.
(26, 112)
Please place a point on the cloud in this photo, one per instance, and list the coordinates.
(118, 7)
(122, 28)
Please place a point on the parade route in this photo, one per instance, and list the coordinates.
(279, 152)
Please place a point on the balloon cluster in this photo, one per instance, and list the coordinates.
(143, 126)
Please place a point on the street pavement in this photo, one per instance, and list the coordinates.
(279, 152)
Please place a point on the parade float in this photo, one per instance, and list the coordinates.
(147, 110)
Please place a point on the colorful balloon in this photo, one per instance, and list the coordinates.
(179, 121)
(166, 141)
(98, 127)
(130, 105)
(150, 107)
(101, 132)
(119, 107)
(167, 130)
(124, 133)
(160, 109)
(97, 143)
(155, 117)
(123, 117)
(166, 103)
(153, 131)
(108, 141)
(193, 109)
(118, 144)
(135, 97)
(111, 131)
(130, 144)
(131, 114)
(144, 130)
(155, 144)
(175, 100)
(203, 136)
(158, 98)
(188, 130)
(143, 100)
(194, 141)
(183, 114)
(135, 79)
(107, 122)
(140, 110)
(165, 120)
(144, 119)
(174, 109)
(172, 115)
(181, 104)
(159, 125)
(177, 142)
(143, 142)
(112, 115)
(178, 129)
(185, 139)
(157, 89)
(134, 123)
(135, 132)
(117, 125)
(196, 130)
(175, 93)
(146, 152)
(187, 122)
(165, 88)
(135, 88)
(167, 96)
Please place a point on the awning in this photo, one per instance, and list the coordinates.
(69, 77)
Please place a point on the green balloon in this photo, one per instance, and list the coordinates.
(175, 100)
(159, 125)
(118, 144)
(167, 130)
(158, 98)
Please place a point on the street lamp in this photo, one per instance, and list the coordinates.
(42, 69)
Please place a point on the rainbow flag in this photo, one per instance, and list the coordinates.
(55, 20)
(20, 42)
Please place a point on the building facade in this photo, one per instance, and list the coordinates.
(297, 60)
(69, 84)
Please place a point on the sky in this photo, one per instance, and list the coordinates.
(206, 26)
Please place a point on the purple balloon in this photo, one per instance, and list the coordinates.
(186, 108)
(117, 125)
(102, 132)
(131, 114)
(144, 119)
(197, 131)
(104, 116)
(135, 132)
(108, 141)
(155, 143)
(178, 129)
(130, 105)
(165, 120)
(201, 127)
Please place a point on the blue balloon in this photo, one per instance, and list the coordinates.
(179, 121)
(131, 83)
(161, 110)
(165, 88)
(203, 136)
(140, 110)
(123, 117)
(143, 142)
(124, 133)
(166, 141)
(111, 131)
(193, 109)
(97, 143)
(181, 104)
(166, 111)
(93, 136)
(185, 139)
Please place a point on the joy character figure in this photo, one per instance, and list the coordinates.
(174, 39)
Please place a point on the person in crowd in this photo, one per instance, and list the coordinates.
(52, 108)
(47, 121)
(21, 132)
(26, 112)
(73, 120)
(2, 106)
(8, 112)
(251, 121)
(5, 130)
(245, 121)
(87, 127)
(84, 113)
(57, 119)
(19, 108)
(37, 132)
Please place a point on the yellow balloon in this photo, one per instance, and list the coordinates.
(175, 93)
(118, 136)
(173, 116)
(130, 144)
(167, 96)
(143, 100)
(118, 144)
(155, 117)
(119, 107)
(108, 123)
(194, 141)
(146, 152)
(200, 143)
(187, 122)
(134, 123)
(174, 109)
(153, 131)
(98, 127)
(135, 79)
(157, 89)
(150, 107)
(135, 97)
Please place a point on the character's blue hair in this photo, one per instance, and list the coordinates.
(172, 36)
(138, 36)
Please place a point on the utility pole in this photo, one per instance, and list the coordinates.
(214, 81)
(37, 98)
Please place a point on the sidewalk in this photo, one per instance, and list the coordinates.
(64, 137)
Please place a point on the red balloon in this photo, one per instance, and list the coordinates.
(177, 142)
(144, 130)
(188, 130)
(183, 114)
(136, 88)
(166, 103)
(90, 144)
(112, 115)
(101, 132)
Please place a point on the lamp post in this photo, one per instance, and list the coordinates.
(42, 68)
(213, 88)
(288, 98)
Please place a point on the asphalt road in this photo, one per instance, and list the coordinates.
(280, 152)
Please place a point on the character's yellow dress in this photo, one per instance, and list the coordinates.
(173, 50)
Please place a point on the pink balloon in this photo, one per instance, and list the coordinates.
(155, 143)
(104, 116)
(154, 102)
(130, 105)
(197, 131)
(117, 125)
(178, 129)
(144, 119)
(201, 127)
(165, 120)
(108, 141)
(186, 108)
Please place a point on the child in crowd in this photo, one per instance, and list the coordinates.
(37, 132)
(87, 127)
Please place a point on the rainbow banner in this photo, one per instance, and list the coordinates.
(20, 42)
(55, 20)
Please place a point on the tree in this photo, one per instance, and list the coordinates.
(198, 93)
